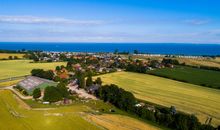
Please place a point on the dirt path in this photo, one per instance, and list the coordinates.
(16, 92)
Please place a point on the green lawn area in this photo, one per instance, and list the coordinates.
(196, 76)
(15, 112)
(201, 101)
(13, 68)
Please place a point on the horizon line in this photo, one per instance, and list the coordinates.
(105, 42)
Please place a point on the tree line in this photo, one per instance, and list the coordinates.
(48, 74)
(126, 101)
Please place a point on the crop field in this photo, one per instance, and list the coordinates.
(200, 62)
(14, 68)
(207, 78)
(6, 55)
(9, 83)
(189, 98)
(120, 122)
(74, 117)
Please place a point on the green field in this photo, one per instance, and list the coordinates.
(207, 78)
(201, 101)
(17, 115)
(13, 68)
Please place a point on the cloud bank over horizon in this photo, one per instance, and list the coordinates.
(109, 21)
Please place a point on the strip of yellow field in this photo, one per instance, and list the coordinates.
(9, 83)
(200, 62)
(201, 101)
(6, 55)
(120, 122)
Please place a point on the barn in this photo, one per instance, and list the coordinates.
(31, 82)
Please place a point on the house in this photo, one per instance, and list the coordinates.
(93, 88)
(63, 73)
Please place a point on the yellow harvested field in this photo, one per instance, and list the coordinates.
(9, 83)
(201, 101)
(200, 62)
(6, 55)
(14, 68)
(120, 122)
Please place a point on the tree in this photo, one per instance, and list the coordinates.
(81, 78)
(15, 57)
(36, 93)
(58, 68)
(136, 52)
(63, 90)
(43, 74)
(82, 81)
(10, 57)
(98, 81)
(89, 81)
(52, 94)
(116, 51)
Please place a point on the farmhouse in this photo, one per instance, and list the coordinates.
(93, 88)
(32, 82)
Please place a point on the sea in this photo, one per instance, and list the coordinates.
(149, 48)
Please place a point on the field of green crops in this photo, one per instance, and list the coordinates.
(201, 101)
(207, 78)
(13, 68)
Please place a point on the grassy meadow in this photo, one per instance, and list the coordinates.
(13, 68)
(201, 101)
(6, 55)
(74, 117)
(208, 78)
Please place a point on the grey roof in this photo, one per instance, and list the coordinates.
(31, 82)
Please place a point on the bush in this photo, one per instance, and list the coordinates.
(36, 93)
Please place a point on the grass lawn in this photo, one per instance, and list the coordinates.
(73, 117)
(201, 101)
(196, 76)
(6, 55)
(13, 68)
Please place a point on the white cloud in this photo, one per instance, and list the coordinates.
(196, 21)
(43, 20)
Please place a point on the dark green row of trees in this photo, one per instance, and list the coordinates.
(163, 116)
(43, 74)
(136, 68)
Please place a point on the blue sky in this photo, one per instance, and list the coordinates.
(148, 21)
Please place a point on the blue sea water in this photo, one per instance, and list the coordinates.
(153, 48)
